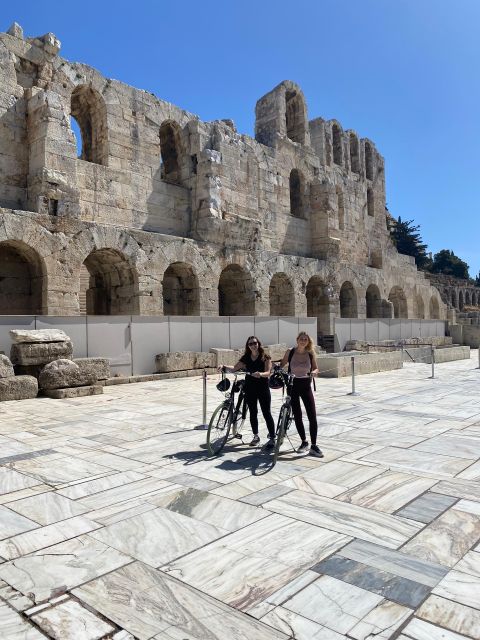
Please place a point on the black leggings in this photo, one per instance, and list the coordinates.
(302, 388)
(260, 393)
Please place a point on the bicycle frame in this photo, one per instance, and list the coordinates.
(228, 415)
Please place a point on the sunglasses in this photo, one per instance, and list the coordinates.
(252, 343)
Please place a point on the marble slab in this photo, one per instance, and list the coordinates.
(463, 446)
(460, 587)
(344, 474)
(122, 493)
(245, 486)
(265, 495)
(451, 615)
(88, 488)
(70, 620)
(387, 492)
(30, 541)
(414, 461)
(421, 630)
(165, 607)
(298, 627)
(427, 507)
(202, 484)
(467, 489)
(11, 480)
(333, 603)
(470, 563)
(446, 540)
(345, 518)
(471, 473)
(15, 627)
(47, 573)
(395, 562)
(380, 623)
(68, 470)
(47, 508)
(12, 523)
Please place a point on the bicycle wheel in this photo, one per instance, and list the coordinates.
(281, 428)
(219, 428)
(239, 417)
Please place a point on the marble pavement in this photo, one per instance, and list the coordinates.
(114, 523)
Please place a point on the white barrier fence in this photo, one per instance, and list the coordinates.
(132, 342)
(373, 330)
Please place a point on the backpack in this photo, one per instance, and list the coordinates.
(290, 356)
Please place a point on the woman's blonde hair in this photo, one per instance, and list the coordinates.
(310, 346)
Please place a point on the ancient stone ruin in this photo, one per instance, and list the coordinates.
(149, 210)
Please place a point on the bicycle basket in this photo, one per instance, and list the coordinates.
(223, 385)
(276, 380)
(238, 385)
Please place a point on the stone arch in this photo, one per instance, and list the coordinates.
(399, 301)
(434, 308)
(454, 299)
(468, 300)
(337, 145)
(170, 151)
(88, 108)
(23, 280)
(113, 283)
(318, 304)
(461, 299)
(354, 153)
(180, 291)
(295, 110)
(368, 161)
(370, 202)
(374, 302)
(348, 301)
(297, 193)
(419, 309)
(281, 296)
(236, 296)
(340, 208)
(474, 298)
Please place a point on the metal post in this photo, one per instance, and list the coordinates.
(204, 424)
(353, 392)
(433, 362)
(478, 357)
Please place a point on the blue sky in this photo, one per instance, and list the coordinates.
(404, 73)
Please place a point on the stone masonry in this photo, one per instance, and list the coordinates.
(160, 213)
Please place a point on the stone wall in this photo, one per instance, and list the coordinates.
(154, 211)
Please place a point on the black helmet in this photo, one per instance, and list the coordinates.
(276, 380)
(223, 385)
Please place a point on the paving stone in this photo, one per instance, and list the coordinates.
(427, 507)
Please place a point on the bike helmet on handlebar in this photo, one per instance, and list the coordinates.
(223, 385)
(276, 380)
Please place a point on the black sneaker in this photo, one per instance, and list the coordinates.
(255, 440)
(303, 447)
(270, 445)
(315, 451)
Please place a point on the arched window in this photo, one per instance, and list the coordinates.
(113, 284)
(170, 151)
(88, 109)
(348, 301)
(368, 161)
(180, 291)
(340, 208)
(22, 279)
(295, 116)
(318, 304)
(296, 184)
(354, 154)
(282, 298)
(370, 203)
(236, 296)
(374, 302)
(399, 301)
(337, 145)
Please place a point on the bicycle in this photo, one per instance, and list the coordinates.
(228, 415)
(285, 417)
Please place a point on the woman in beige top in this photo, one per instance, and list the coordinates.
(303, 365)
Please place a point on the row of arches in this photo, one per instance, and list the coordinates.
(109, 285)
(336, 151)
(461, 298)
(88, 111)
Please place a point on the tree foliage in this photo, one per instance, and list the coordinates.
(446, 262)
(407, 239)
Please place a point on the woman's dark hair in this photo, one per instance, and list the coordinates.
(261, 350)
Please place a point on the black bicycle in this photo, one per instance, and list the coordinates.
(230, 415)
(285, 416)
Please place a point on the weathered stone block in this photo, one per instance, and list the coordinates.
(226, 357)
(18, 388)
(40, 353)
(38, 335)
(275, 351)
(61, 374)
(98, 366)
(6, 368)
(181, 360)
(73, 392)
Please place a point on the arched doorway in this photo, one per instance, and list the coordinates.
(180, 291)
(348, 301)
(22, 280)
(236, 296)
(318, 304)
(112, 284)
(282, 298)
(399, 301)
(374, 302)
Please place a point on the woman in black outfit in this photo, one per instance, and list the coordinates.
(256, 362)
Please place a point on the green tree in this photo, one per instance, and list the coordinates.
(446, 262)
(407, 239)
